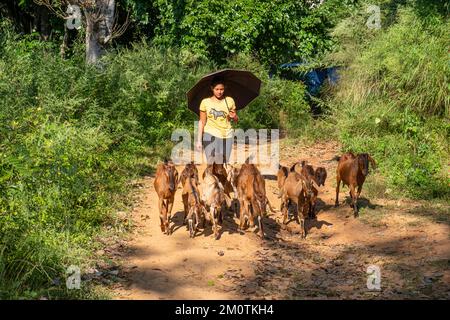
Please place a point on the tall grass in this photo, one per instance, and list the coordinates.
(393, 98)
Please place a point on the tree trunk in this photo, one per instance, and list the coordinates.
(65, 43)
(44, 23)
(99, 30)
(93, 46)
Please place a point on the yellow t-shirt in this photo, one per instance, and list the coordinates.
(216, 117)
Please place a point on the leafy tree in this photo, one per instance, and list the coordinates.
(275, 31)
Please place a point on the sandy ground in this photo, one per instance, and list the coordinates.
(408, 242)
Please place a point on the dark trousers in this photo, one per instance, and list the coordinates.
(216, 149)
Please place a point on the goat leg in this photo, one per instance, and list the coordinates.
(252, 212)
(338, 183)
(297, 215)
(285, 211)
(197, 221)
(302, 227)
(260, 225)
(213, 217)
(234, 200)
(312, 206)
(270, 206)
(235, 207)
(220, 214)
(191, 223)
(185, 197)
(170, 206)
(162, 214)
(354, 200)
(310, 210)
(241, 214)
(359, 192)
(204, 219)
(307, 209)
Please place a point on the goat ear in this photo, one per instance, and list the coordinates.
(293, 167)
(177, 182)
(315, 185)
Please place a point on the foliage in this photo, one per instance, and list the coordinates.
(73, 136)
(273, 31)
(393, 99)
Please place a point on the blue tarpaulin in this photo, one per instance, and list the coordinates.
(314, 78)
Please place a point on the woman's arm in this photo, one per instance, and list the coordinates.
(232, 115)
(201, 125)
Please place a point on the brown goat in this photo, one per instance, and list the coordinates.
(189, 171)
(232, 174)
(194, 205)
(221, 173)
(352, 171)
(253, 200)
(214, 198)
(298, 189)
(281, 177)
(219, 170)
(319, 176)
(165, 186)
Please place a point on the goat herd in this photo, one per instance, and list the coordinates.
(298, 184)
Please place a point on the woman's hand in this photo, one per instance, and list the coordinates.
(199, 145)
(233, 116)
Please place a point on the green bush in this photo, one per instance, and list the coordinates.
(274, 31)
(393, 98)
(281, 104)
(73, 136)
(65, 160)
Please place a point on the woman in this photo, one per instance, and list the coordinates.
(216, 113)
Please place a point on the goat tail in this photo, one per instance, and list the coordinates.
(336, 158)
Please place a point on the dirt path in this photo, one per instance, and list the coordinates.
(407, 240)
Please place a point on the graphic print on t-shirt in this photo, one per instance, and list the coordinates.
(217, 114)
